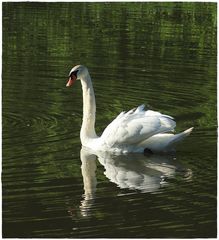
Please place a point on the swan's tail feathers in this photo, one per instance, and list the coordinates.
(188, 131)
(180, 136)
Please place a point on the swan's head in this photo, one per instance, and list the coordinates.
(76, 73)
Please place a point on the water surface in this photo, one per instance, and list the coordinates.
(159, 54)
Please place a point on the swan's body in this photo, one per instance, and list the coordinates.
(133, 131)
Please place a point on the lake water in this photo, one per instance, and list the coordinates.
(159, 54)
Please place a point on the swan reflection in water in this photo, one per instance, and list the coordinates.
(132, 171)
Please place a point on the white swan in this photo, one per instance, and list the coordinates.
(132, 131)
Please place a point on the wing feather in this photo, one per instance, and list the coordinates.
(135, 126)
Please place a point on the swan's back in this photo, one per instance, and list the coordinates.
(131, 128)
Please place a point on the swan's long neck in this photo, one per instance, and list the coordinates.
(89, 110)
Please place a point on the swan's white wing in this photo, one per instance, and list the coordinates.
(136, 126)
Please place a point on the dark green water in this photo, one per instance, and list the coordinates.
(160, 54)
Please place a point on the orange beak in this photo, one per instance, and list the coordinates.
(71, 81)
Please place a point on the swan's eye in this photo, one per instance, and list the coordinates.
(74, 74)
